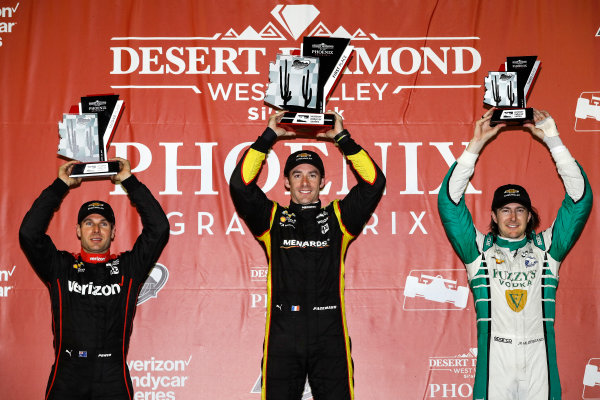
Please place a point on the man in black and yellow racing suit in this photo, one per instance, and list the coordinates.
(306, 332)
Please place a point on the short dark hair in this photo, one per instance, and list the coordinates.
(532, 224)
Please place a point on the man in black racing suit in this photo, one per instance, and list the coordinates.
(306, 332)
(93, 294)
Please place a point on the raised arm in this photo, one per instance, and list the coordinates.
(455, 215)
(155, 225)
(358, 205)
(250, 201)
(36, 244)
(577, 203)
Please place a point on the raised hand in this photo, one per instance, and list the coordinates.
(124, 170)
(274, 120)
(337, 127)
(483, 132)
(65, 170)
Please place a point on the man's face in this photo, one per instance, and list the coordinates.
(95, 233)
(304, 183)
(512, 220)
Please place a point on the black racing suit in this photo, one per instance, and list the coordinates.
(93, 297)
(306, 331)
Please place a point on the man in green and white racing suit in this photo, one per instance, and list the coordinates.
(513, 271)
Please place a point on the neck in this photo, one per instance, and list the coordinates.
(509, 243)
(95, 258)
(512, 239)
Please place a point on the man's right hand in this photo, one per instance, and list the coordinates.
(274, 120)
(483, 132)
(65, 170)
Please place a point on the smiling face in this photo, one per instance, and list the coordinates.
(95, 234)
(512, 220)
(304, 183)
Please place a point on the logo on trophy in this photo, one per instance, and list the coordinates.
(509, 88)
(302, 84)
(86, 132)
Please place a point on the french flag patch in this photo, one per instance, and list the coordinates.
(295, 308)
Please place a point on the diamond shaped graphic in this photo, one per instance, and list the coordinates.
(295, 18)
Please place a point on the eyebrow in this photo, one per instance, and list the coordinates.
(297, 171)
(91, 220)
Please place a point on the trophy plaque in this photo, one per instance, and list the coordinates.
(85, 136)
(509, 89)
(302, 84)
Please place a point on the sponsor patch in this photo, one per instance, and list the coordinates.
(516, 299)
(530, 262)
(79, 266)
(502, 340)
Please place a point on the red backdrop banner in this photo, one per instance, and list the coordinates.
(192, 75)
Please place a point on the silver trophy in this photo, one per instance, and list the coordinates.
(85, 136)
(302, 84)
(509, 89)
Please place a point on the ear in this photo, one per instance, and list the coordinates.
(322, 184)
(78, 231)
(529, 217)
(494, 217)
(113, 230)
(286, 183)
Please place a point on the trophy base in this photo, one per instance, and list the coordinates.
(512, 116)
(308, 123)
(95, 169)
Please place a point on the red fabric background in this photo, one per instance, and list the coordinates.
(207, 323)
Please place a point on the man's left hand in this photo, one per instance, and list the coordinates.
(124, 170)
(543, 125)
(337, 127)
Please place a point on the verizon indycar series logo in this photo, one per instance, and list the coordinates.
(156, 379)
(430, 290)
(154, 283)
(587, 112)
(591, 380)
(5, 275)
(7, 13)
(451, 377)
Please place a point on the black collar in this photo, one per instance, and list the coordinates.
(294, 207)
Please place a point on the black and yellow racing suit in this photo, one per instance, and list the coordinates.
(306, 332)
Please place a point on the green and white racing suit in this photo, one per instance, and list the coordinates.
(514, 284)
